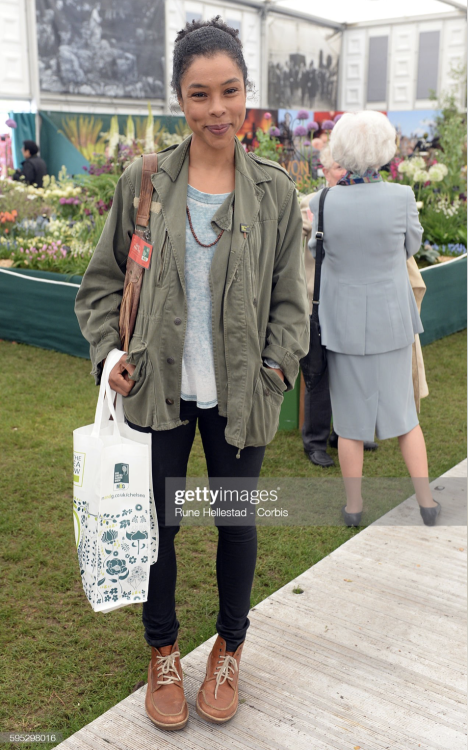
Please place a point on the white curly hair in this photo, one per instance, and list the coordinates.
(363, 140)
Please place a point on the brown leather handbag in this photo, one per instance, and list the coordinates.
(139, 254)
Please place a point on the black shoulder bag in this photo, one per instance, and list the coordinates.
(314, 364)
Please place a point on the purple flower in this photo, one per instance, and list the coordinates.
(300, 131)
(312, 125)
(267, 115)
(306, 143)
(336, 118)
(328, 124)
(302, 114)
(11, 123)
(62, 201)
(275, 132)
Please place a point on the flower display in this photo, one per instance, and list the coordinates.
(436, 173)
(69, 201)
(405, 167)
(56, 227)
(300, 131)
(417, 162)
(420, 175)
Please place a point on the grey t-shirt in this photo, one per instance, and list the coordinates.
(198, 377)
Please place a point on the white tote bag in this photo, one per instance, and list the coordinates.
(116, 530)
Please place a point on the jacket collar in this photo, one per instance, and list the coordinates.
(173, 163)
(241, 209)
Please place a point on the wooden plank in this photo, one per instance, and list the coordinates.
(370, 655)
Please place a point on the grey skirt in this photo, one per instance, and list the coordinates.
(372, 394)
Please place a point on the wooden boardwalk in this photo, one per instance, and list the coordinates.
(371, 655)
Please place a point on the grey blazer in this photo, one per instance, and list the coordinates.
(367, 305)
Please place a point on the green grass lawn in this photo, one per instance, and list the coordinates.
(61, 664)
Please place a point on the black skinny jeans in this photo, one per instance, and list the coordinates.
(237, 545)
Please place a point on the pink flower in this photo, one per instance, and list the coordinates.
(267, 116)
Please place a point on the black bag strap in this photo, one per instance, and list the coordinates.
(318, 255)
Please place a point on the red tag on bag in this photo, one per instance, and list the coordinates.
(140, 251)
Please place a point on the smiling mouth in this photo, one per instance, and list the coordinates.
(218, 129)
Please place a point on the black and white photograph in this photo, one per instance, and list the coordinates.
(111, 49)
(302, 65)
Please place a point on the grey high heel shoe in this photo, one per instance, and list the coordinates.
(351, 519)
(429, 515)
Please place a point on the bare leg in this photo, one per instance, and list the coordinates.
(351, 456)
(413, 450)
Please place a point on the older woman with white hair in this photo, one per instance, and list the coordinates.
(368, 313)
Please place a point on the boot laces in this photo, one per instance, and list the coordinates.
(167, 669)
(222, 671)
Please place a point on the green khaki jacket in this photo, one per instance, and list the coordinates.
(258, 295)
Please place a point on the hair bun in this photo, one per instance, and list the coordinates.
(214, 23)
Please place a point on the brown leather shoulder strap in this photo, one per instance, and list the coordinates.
(150, 166)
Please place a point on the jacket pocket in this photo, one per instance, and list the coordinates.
(163, 253)
(252, 252)
(266, 406)
(139, 405)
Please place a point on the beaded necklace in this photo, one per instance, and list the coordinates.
(195, 236)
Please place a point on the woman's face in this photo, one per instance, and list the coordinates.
(213, 99)
(334, 174)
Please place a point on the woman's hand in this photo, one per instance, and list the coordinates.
(119, 379)
(280, 373)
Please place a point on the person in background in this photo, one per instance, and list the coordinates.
(6, 159)
(33, 168)
(317, 404)
(368, 312)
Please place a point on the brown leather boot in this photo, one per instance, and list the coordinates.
(218, 696)
(165, 701)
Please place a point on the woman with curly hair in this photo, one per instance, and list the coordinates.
(221, 327)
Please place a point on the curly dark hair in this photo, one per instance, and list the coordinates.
(205, 39)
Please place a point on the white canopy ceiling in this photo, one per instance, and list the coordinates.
(355, 11)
